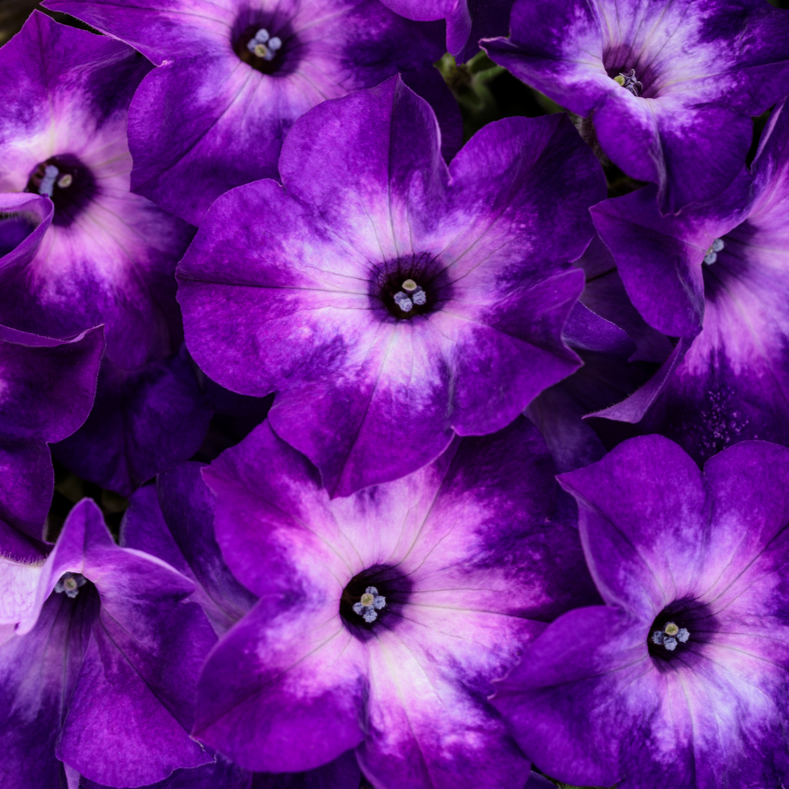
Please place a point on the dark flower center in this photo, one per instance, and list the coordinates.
(410, 287)
(629, 82)
(268, 49)
(67, 183)
(374, 598)
(679, 630)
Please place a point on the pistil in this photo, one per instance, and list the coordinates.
(369, 605)
(410, 294)
(712, 253)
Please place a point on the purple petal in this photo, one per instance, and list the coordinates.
(342, 773)
(702, 70)
(285, 688)
(218, 120)
(660, 542)
(144, 421)
(175, 522)
(48, 390)
(464, 531)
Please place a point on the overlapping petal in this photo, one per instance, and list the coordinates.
(114, 693)
(225, 120)
(729, 384)
(471, 538)
(143, 422)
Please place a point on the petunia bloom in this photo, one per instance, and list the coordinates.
(680, 679)
(174, 521)
(99, 677)
(389, 301)
(103, 255)
(232, 77)
(467, 566)
(668, 86)
(724, 266)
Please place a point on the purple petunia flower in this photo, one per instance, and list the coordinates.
(174, 521)
(103, 255)
(680, 679)
(668, 85)
(101, 671)
(728, 265)
(384, 616)
(467, 20)
(390, 301)
(232, 77)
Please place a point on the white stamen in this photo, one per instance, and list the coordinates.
(670, 636)
(712, 253)
(410, 286)
(402, 301)
(264, 46)
(48, 181)
(369, 605)
(65, 181)
(70, 584)
(419, 297)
